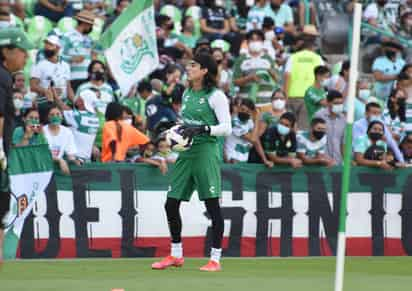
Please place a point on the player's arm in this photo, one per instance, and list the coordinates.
(3, 160)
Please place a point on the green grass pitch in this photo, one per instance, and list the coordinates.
(290, 274)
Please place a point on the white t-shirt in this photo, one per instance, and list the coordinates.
(47, 71)
(62, 143)
(236, 146)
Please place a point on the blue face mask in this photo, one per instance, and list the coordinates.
(374, 118)
(283, 130)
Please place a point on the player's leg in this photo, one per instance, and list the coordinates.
(208, 183)
(181, 188)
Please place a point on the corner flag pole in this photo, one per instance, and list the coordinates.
(353, 76)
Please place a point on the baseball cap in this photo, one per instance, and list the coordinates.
(15, 36)
(53, 39)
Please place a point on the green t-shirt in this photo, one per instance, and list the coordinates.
(36, 139)
(312, 98)
(189, 41)
(362, 144)
(269, 119)
(136, 104)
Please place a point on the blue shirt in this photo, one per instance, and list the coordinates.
(361, 126)
(387, 67)
(157, 110)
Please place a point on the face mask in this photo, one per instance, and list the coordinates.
(55, 120)
(243, 116)
(337, 108)
(269, 35)
(278, 104)
(170, 26)
(364, 94)
(218, 61)
(97, 76)
(374, 118)
(318, 134)
(128, 121)
(18, 103)
(375, 136)
(250, 3)
(275, 6)
(49, 53)
(33, 121)
(390, 54)
(219, 3)
(283, 130)
(324, 83)
(256, 46)
(87, 31)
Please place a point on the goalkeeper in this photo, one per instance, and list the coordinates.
(205, 114)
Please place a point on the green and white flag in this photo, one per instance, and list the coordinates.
(30, 170)
(130, 44)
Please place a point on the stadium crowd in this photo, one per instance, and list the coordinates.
(288, 103)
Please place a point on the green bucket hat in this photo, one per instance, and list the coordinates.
(15, 36)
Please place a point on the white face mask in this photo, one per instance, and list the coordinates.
(325, 83)
(269, 35)
(18, 103)
(364, 94)
(129, 121)
(250, 3)
(255, 46)
(219, 3)
(278, 104)
(337, 108)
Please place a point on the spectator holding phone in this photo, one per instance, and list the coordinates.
(31, 133)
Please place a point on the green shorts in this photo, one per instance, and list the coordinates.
(199, 170)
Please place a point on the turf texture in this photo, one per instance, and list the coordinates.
(274, 274)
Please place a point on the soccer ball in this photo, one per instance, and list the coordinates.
(174, 137)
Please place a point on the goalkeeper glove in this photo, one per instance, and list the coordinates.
(189, 131)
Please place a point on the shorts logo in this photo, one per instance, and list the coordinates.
(212, 189)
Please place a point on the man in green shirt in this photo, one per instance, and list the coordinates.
(137, 103)
(315, 96)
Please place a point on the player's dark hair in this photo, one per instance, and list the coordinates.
(316, 121)
(290, 117)
(332, 95)
(372, 105)
(248, 103)
(321, 70)
(207, 61)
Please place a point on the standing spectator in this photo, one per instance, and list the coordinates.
(394, 115)
(31, 133)
(97, 76)
(77, 48)
(51, 76)
(118, 135)
(249, 71)
(370, 149)
(386, 68)
(280, 142)
(60, 140)
(312, 144)
(270, 118)
(335, 125)
(239, 17)
(282, 15)
(341, 81)
(137, 103)
(256, 15)
(121, 5)
(374, 113)
(298, 76)
(315, 95)
(375, 15)
(238, 144)
(54, 9)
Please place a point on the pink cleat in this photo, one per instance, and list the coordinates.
(211, 266)
(167, 262)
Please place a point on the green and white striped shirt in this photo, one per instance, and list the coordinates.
(106, 95)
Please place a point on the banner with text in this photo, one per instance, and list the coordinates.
(118, 211)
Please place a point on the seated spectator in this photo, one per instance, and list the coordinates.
(188, 37)
(147, 156)
(60, 140)
(31, 133)
(403, 91)
(335, 125)
(238, 144)
(78, 48)
(406, 148)
(118, 135)
(386, 69)
(405, 27)
(280, 142)
(97, 7)
(7, 18)
(256, 15)
(374, 113)
(51, 76)
(282, 15)
(239, 16)
(405, 6)
(18, 102)
(315, 96)
(362, 97)
(224, 73)
(375, 15)
(164, 152)
(137, 103)
(19, 84)
(159, 110)
(270, 118)
(121, 5)
(394, 115)
(54, 9)
(370, 149)
(312, 144)
(97, 76)
(255, 74)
